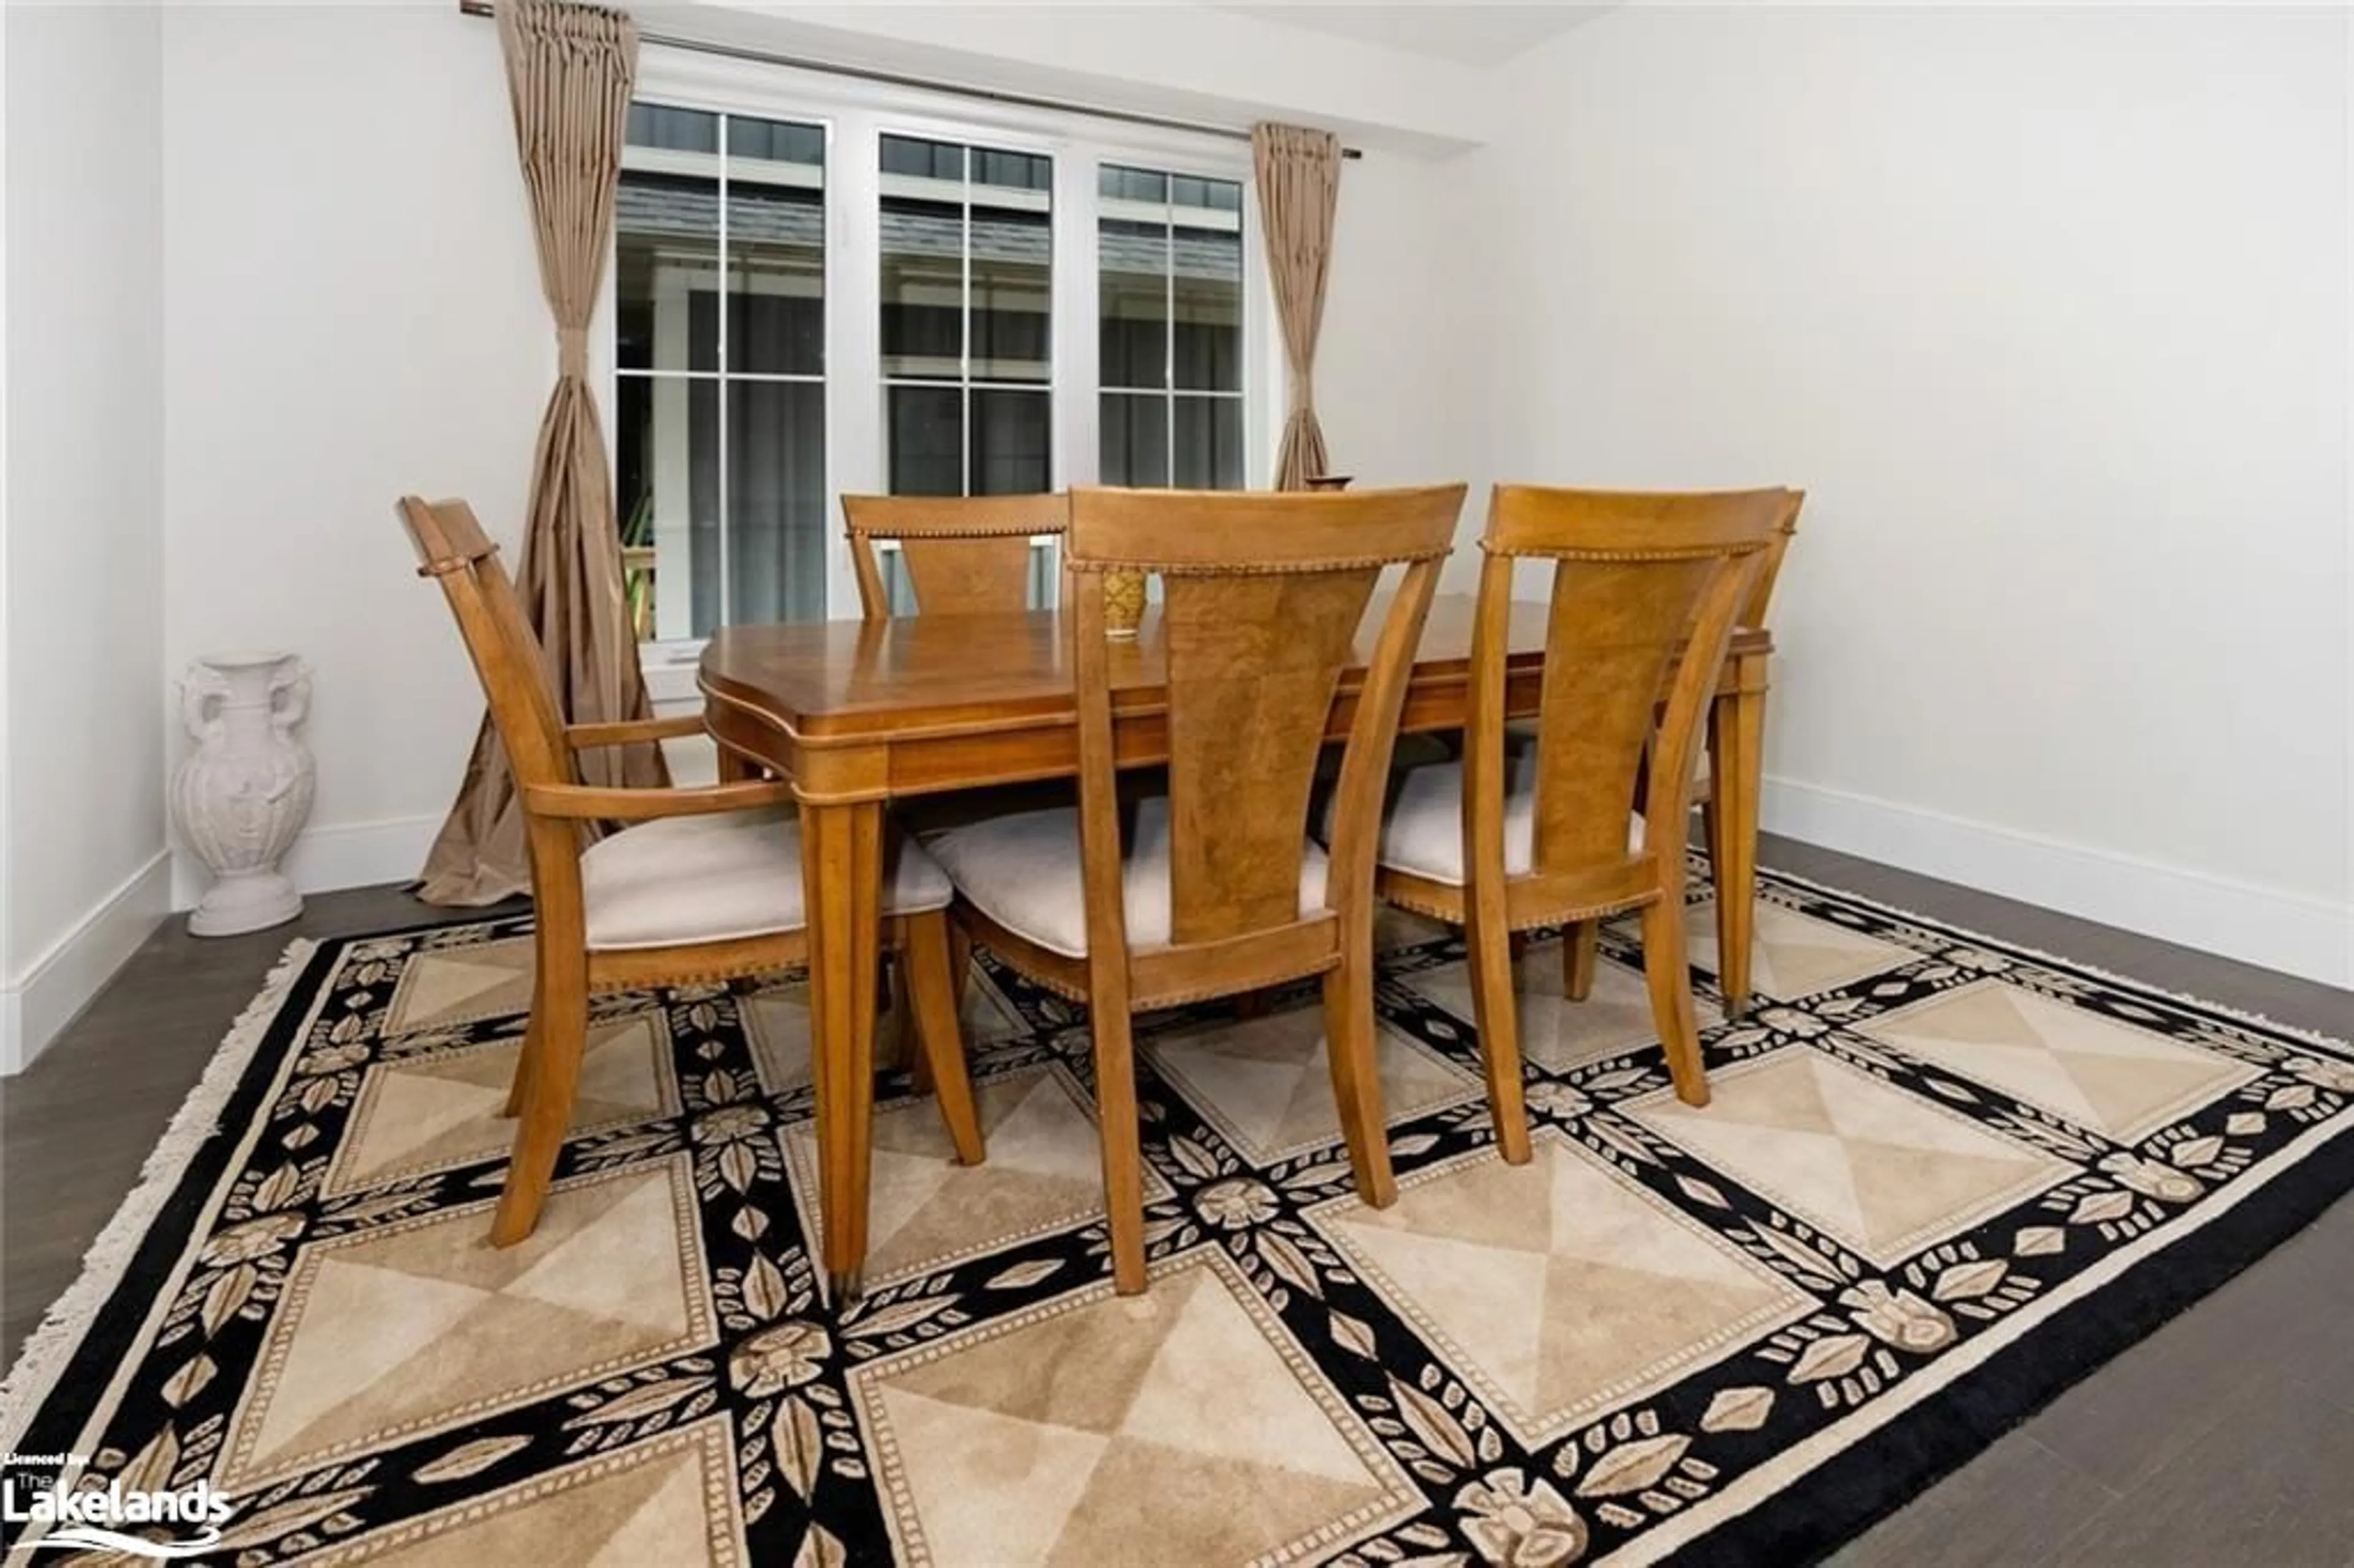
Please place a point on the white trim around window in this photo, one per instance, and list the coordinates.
(855, 114)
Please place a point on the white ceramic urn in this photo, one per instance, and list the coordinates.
(244, 793)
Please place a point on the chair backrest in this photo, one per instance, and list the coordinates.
(1760, 589)
(962, 555)
(1646, 592)
(1262, 599)
(452, 549)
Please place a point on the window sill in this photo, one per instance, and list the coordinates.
(670, 672)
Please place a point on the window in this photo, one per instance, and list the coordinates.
(1169, 293)
(967, 313)
(719, 351)
(824, 286)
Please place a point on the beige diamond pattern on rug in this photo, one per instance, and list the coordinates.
(2095, 1072)
(776, 1020)
(1556, 1032)
(1266, 1082)
(666, 1500)
(458, 985)
(1793, 955)
(1885, 1171)
(422, 1324)
(441, 1109)
(1179, 1426)
(1560, 1288)
(1043, 1172)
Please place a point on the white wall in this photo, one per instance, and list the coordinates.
(1397, 391)
(2048, 312)
(1204, 63)
(352, 311)
(82, 837)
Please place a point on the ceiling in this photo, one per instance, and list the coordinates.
(1478, 35)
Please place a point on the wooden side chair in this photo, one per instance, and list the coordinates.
(702, 885)
(1216, 888)
(1646, 589)
(961, 555)
(1735, 919)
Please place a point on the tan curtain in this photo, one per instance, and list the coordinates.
(569, 71)
(1299, 191)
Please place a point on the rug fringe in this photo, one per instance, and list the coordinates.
(2058, 961)
(49, 1348)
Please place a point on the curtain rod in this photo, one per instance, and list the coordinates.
(730, 52)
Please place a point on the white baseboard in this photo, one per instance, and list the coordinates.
(2295, 933)
(36, 1005)
(342, 854)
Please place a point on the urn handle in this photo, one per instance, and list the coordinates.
(290, 697)
(202, 695)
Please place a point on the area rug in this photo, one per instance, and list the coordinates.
(1942, 1178)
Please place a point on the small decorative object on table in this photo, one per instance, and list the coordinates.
(1123, 603)
(243, 794)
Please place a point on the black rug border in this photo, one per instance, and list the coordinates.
(1826, 1509)
(1849, 1493)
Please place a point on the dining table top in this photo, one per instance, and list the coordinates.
(845, 679)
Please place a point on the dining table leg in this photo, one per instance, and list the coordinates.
(1736, 772)
(842, 881)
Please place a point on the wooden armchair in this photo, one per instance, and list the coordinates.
(1646, 591)
(701, 884)
(1215, 888)
(962, 555)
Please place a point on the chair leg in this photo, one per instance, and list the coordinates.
(1123, 1146)
(548, 1089)
(1581, 946)
(959, 962)
(1349, 1047)
(527, 1059)
(1497, 1012)
(1667, 972)
(519, 1090)
(931, 990)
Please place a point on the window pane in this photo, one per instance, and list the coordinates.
(1132, 282)
(776, 500)
(666, 248)
(776, 142)
(967, 283)
(923, 288)
(1012, 443)
(922, 160)
(1208, 346)
(1010, 273)
(666, 458)
(1135, 439)
(1209, 443)
(1013, 171)
(675, 130)
(927, 430)
(776, 249)
(1132, 185)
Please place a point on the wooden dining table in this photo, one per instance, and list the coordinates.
(856, 714)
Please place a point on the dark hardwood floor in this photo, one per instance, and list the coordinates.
(2219, 1439)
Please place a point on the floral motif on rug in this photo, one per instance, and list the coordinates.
(1940, 1179)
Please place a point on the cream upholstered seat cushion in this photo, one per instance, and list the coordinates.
(1023, 872)
(1422, 821)
(732, 873)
